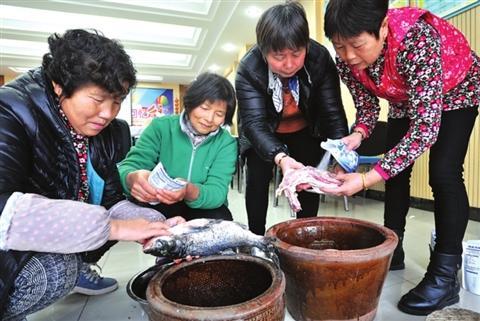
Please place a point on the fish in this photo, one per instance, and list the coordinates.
(204, 237)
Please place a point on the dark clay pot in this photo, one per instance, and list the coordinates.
(215, 288)
(335, 267)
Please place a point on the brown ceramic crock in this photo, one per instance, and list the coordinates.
(214, 288)
(334, 266)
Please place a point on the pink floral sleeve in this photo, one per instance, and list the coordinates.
(367, 104)
(420, 64)
(32, 222)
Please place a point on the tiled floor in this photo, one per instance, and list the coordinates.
(126, 259)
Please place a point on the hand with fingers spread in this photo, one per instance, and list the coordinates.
(141, 229)
(136, 230)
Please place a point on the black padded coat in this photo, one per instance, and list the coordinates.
(320, 101)
(37, 156)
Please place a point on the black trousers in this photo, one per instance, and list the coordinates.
(447, 155)
(181, 209)
(303, 148)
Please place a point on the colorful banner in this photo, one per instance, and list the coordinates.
(148, 103)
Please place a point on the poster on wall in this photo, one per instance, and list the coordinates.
(125, 112)
(444, 8)
(441, 8)
(148, 103)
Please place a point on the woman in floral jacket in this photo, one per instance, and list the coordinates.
(426, 70)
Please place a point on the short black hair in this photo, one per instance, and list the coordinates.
(210, 87)
(80, 57)
(349, 18)
(283, 26)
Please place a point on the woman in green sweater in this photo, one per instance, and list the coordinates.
(191, 146)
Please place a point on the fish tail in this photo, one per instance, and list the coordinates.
(270, 250)
(269, 241)
(266, 244)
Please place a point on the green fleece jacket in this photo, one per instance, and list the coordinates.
(209, 166)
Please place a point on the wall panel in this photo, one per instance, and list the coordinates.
(468, 23)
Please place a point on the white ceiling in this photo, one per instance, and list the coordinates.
(168, 40)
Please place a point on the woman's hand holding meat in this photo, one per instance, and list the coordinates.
(288, 163)
(353, 183)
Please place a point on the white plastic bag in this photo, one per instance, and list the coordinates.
(348, 159)
(471, 266)
(433, 237)
(323, 165)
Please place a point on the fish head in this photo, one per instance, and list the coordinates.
(160, 246)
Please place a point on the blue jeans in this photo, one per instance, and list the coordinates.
(46, 278)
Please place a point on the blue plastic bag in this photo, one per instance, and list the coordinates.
(345, 158)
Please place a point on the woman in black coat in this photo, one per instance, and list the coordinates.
(289, 101)
(61, 201)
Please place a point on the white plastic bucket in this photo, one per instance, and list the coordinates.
(471, 266)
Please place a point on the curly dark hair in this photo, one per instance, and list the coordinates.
(210, 87)
(80, 57)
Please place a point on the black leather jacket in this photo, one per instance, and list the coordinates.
(37, 156)
(320, 101)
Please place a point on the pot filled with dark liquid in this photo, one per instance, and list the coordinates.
(334, 267)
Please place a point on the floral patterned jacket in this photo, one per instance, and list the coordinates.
(419, 63)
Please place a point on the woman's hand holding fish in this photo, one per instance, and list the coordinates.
(138, 230)
(188, 258)
(140, 188)
(171, 222)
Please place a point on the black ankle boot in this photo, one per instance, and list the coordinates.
(438, 289)
(398, 254)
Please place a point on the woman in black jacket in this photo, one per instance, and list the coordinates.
(58, 173)
(289, 101)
